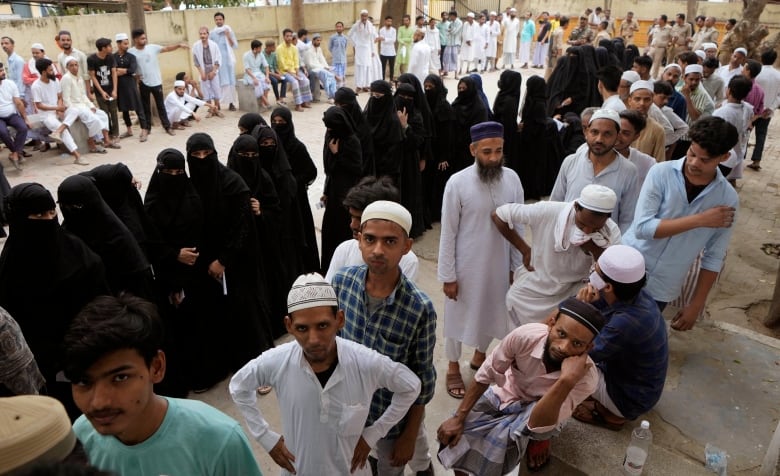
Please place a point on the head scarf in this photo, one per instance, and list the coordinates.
(437, 100)
(469, 108)
(420, 103)
(535, 99)
(285, 132)
(481, 93)
(347, 100)
(402, 103)
(338, 123)
(249, 121)
(260, 184)
(380, 114)
(508, 101)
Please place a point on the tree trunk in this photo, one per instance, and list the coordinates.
(773, 318)
(692, 8)
(296, 8)
(135, 13)
(747, 33)
(396, 9)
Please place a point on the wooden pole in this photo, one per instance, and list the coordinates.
(135, 13)
(297, 14)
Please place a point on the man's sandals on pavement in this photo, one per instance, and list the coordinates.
(455, 386)
(592, 412)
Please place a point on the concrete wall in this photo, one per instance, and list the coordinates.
(182, 26)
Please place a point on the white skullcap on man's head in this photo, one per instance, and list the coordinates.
(470, 14)
(513, 10)
(694, 68)
(630, 76)
(672, 65)
(387, 210)
(37, 46)
(641, 85)
(364, 12)
(68, 59)
(709, 46)
(622, 263)
(310, 290)
(701, 54)
(120, 37)
(179, 84)
(610, 114)
(597, 198)
(741, 50)
(492, 14)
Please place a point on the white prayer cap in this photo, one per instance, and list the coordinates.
(310, 290)
(709, 46)
(701, 54)
(37, 46)
(693, 68)
(623, 264)
(610, 114)
(738, 50)
(641, 85)
(513, 10)
(598, 198)
(68, 59)
(470, 14)
(672, 65)
(179, 84)
(630, 76)
(120, 37)
(364, 12)
(387, 210)
(492, 14)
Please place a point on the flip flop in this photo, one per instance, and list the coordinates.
(594, 413)
(754, 166)
(534, 448)
(264, 390)
(126, 135)
(455, 382)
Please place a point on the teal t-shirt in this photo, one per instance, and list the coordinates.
(194, 439)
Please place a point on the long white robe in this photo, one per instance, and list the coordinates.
(559, 269)
(473, 253)
(433, 40)
(494, 30)
(511, 32)
(467, 37)
(362, 35)
(419, 60)
(481, 35)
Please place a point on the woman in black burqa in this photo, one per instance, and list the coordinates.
(343, 163)
(469, 110)
(88, 216)
(305, 172)
(175, 210)
(232, 324)
(505, 108)
(46, 276)
(381, 115)
(436, 173)
(413, 150)
(346, 99)
(539, 151)
(248, 122)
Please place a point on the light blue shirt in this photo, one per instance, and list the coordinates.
(442, 26)
(337, 45)
(255, 63)
(621, 176)
(148, 66)
(663, 196)
(15, 67)
(529, 30)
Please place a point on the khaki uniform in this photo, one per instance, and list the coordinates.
(556, 46)
(582, 36)
(627, 29)
(662, 38)
(683, 37)
(705, 35)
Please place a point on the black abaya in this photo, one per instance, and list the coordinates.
(505, 109)
(386, 132)
(347, 100)
(435, 174)
(469, 111)
(410, 179)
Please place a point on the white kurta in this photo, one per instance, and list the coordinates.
(558, 270)
(494, 31)
(362, 35)
(348, 254)
(467, 35)
(481, 35)
(419, 60)
(511, 32)
(473, 253)
(433, 40)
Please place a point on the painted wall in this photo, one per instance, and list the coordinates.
(165, 28)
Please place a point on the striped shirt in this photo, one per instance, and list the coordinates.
(402, 328)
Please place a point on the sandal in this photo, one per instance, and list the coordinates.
(594, 413)
(126, 135)
(455, 382)
(264, 390)
(755, 166)
(534, 449)
(98, 150)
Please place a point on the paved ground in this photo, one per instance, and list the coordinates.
(723, 378)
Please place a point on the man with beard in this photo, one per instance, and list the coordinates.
(687, 207)
(652, 139)
(475, 283)
(321, 438)
(65, 42)
(225, 38)
(600, 164)
(523, 393)
(113, 358)
(128, 97)
(631, 125)
(387, 312)
(180, 106)
(631, 351)
(420, 57)
(698, 103)
(13, 114)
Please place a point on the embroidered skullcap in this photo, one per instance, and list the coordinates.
(310, 290)
(623, 264)
(33, 429)
(641, 85)
(630, 76)
(486, 130)
(120, 37)
(709, 46)
(738, 50)
(582, 312)
(597, 198)
(693, 68)
(672, 65)
(179, 84)
(610, 114)
(68, 59)
(701, 54)
(37, 46)
(387, 210)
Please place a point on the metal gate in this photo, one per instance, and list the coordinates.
(435, 7)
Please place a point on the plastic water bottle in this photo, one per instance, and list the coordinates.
(636, 454)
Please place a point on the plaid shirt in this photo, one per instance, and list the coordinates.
(403, 328)
(633, 352)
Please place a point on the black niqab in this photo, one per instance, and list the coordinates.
(249, 121)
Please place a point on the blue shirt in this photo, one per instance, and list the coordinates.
(402, 328)
(662, 197)
(529, 30)
(337, 44)
(442, 26)
(633, 352)
(678, 105)
(15, 67)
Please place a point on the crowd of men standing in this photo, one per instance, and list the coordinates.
(173, 292)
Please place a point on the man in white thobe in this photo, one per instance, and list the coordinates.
(433, 39)
(325, 385)
(476, 282)
(567, 238)
(494, 31)
(511, 34)
(225, 38)
(420, 58)
(362, 35)
(180, 106)
(468, 36)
